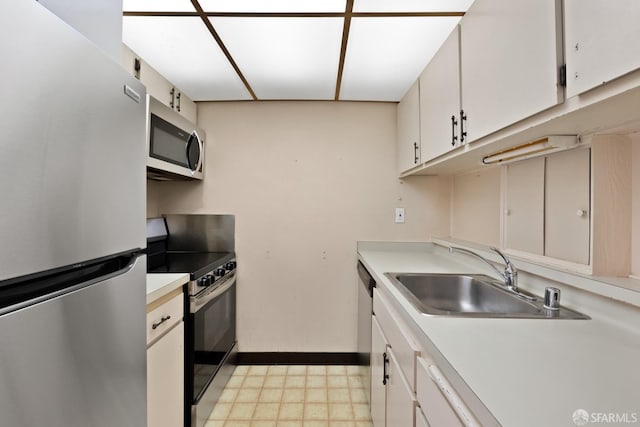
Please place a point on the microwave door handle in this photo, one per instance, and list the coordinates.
(194, 136)
(201, 148)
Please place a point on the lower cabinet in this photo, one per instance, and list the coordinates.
(165, 365)
(392, 400)
(407, 387)
(378, 375)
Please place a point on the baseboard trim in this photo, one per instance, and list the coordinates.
(292, 358)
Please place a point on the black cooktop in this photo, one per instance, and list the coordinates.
(197, 264)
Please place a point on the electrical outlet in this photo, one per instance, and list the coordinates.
(399, 215)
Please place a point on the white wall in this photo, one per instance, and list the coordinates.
(306, 181)
(475, 207)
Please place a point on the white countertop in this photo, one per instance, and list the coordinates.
(527, 372)
(159, 284)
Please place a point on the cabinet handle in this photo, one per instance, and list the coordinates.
(415, 153)
(454, 137)
(463, 133)
(178, 101)
(162, 320)
(385, 361)
(173, 97)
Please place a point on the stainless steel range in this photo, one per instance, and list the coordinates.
(203, 247)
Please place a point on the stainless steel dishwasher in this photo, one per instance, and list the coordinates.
(365, 309)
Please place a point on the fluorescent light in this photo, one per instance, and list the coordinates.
(185, 53)
(386, 55)
(540, 147)
(411, 5)
(273, 5)
(285, 58)
(157, 6)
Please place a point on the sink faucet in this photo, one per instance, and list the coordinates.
(510, 274)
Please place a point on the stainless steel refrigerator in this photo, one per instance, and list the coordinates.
(72, 227)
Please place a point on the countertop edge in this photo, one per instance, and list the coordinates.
(160, 284)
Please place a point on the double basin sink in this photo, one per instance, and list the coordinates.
(472, 295)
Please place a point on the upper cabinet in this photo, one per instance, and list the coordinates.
(567, 206)
(511, 53)
(158, 86)
(601, 41)
(547, 207)
(408, 137)
(440, 100)
(98, 20)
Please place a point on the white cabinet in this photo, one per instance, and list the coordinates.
(408, 131)
(165, 361)
(400, 397)
(98, 20)
(547, 206)
(378, 375)
(435, 406)
(524, 206)
(165, 380)
(510, 57)
(440, 100)
(601, 41)
(158, 86)
(392, 399)
(567, 206)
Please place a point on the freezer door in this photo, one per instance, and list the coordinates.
(72, 147)
(78, 360)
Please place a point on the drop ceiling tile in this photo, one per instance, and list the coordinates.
(285, 58)
(386, 55)
(411, 5)
(157, 6)
(273, 5)
(183, 51)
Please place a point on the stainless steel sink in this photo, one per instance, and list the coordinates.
(470, 295)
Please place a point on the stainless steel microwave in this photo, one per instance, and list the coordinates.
(175, 147)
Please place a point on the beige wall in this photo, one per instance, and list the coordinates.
(475, 207)
(306, 180)
(635, 205)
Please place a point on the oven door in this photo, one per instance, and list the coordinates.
(210, 348)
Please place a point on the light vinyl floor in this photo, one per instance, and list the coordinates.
(293, 396)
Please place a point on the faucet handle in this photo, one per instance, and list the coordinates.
(507, 262)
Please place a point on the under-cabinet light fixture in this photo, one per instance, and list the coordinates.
(539, 147)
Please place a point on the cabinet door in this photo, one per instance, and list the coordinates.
(510, 55)
(601, 41)
(400, 397)
(524, 206)
(165, 380)
(378, 389)
(440, 100)
(408, 148)
(567, 205)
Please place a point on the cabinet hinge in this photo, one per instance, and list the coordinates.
(562, 75)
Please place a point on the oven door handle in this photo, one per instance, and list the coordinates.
(197, 303)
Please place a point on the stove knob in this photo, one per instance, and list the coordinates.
(231, 265)
(205, 281)
(219, 272)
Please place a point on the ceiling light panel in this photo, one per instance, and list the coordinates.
(285, 58)
(278, 6)
(386, 55)
(157, 6)
(184, 52)
(411, 5)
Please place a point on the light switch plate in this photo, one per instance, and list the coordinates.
(399, 215)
